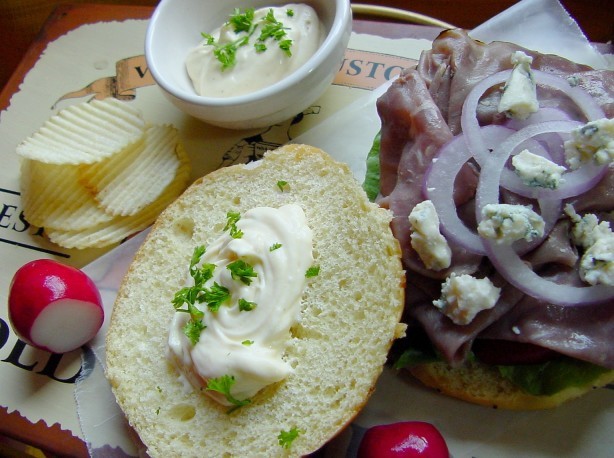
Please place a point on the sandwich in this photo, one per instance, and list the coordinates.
(206, 293)
(496, 162)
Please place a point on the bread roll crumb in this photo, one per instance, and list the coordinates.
(350, 313)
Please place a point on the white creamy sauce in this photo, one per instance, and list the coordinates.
(249, 345)
(255, 70)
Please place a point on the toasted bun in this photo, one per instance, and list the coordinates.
(481, 384)
(349, 313)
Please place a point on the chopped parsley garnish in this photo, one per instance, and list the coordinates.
(215, 296)
(275, 29)
(245, 23)
(242, 22)
(285, 46)
(260, 47)
(287, 437)
(190, 295)
(313, 271)
(242, 271)
(246, 306)
(222, 385)
(248, 342)
(231, 225)
(275, 246)
(227, 53)
(192, 330)
(281, 184)
(209, 39)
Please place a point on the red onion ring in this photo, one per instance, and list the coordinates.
(553, 142)
(469, 122)
(516, 272)
(505, 259)
(439, 188)
(574, 182)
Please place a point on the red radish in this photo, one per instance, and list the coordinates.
(407, 439)
(53, 306)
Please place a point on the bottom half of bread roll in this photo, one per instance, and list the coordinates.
(349, 313)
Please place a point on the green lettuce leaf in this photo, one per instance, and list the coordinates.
(371, 183)
(553, 376)
(414, 356)
(543, 379)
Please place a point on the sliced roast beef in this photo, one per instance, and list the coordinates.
(409, 143)
(456, 63)
(420, 113)
(583, 332)
(454, 341)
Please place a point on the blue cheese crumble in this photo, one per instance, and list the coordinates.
(537, 171)
(597, 239)
(593, 141)
(426, 239)
(519, 98)
(597, 263)
(464, 296)
(506, 223)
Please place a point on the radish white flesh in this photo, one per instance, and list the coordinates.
(53, 306)
(66, 324)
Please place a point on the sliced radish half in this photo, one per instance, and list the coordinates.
(53, 306)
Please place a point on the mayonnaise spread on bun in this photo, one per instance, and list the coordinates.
(246, 289)
(254, 49)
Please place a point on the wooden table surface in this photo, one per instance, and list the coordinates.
(21, 20)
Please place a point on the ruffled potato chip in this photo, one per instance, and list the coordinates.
(123, 184)
(120, 227)
(95, 174)
(85, 133)
(53, 198)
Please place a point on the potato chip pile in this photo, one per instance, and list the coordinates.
(95, 173)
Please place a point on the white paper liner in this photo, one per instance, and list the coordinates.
(544, 26)
(102, 422)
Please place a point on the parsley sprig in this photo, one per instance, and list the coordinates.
(190, 295)
(272, 28)
(223, 385)
(246, 306)
(244, 22)
(312, 271)
(282, 185)
(242, 271)
(232, 218)
(286, 438)
(215, 296)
